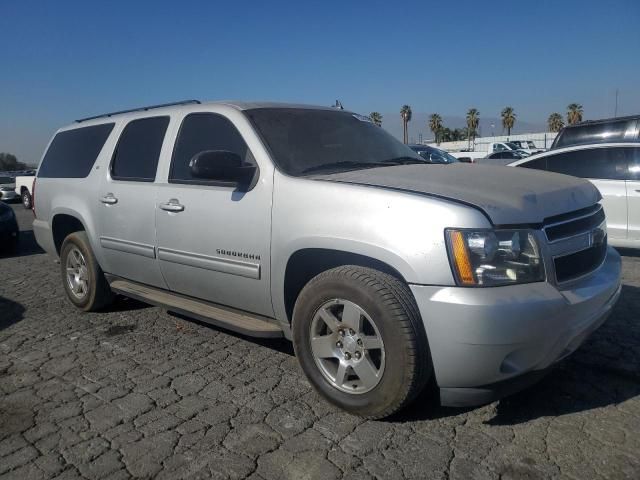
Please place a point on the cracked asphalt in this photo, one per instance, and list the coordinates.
(137, 392)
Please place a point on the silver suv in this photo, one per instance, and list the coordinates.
(386, 272)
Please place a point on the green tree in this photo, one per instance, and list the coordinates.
(405, 114)
(555, 122)
(453, 135)
(435, 125)
(473, 119)
(376, 118)
(508, 119)
(574, 113)
(9, 162)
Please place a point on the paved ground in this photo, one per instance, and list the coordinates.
(137, 392)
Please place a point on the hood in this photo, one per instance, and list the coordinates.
(507, 195)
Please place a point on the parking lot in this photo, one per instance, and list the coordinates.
(135, 391)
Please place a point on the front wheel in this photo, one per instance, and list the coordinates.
(83, 279)
(359, 338)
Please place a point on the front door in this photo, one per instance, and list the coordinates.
(614, 201)
(128, 197)
(633, 193)
(213, 239)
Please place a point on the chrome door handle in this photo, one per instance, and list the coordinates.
(172, 205)
(109, 199)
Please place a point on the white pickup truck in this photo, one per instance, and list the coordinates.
(24, 187)
(483, 151)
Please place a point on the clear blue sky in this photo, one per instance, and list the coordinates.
(61, 60)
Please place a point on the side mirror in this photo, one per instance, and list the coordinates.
(222, 166)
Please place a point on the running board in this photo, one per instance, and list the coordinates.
(224, 317)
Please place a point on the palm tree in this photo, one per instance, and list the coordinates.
(508, 119)
(405, 113)
(555, 122)
(473, 119)
(376, 118)
(435, 125)
(574, 113)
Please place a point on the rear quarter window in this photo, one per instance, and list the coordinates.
(72, 153)
(537, 164)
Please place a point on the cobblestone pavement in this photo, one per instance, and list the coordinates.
(136, 392)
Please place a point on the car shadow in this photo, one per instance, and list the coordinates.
(629, 252)
(10, 312)
(27, 244)
(281, 345)
(604, 371)
(125, 304)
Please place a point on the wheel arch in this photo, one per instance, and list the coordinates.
(305, 263)
(63, 224)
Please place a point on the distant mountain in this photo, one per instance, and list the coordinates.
(419, 125)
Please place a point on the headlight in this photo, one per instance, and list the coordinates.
(487, 258)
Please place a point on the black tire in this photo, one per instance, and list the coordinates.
(390, 304)
(26, 200)
(98, 294)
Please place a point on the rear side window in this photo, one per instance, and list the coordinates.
(538, 164)
(201, 132)
(605, 132)
(597, 163)
(72, 153)
(138, 150)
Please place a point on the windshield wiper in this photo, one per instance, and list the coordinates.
(344, 164)
(406, 160)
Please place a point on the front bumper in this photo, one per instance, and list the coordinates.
(489, 342)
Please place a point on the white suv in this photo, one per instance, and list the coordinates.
(612, 167)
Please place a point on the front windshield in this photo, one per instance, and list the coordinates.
(512, 146)
(444, 156)
(308, 141)
(433, 155)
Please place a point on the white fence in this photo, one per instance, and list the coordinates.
(541, 140)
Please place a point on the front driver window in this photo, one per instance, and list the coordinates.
(205, 132)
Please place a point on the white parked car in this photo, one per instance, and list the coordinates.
(23, 187)
(612, 167)
(485, 150)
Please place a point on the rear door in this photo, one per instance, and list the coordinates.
(128, 198)
(606, 168)
(633, 192)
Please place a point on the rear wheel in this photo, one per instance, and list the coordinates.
(360, 340)
(83, 279)
(26, 199)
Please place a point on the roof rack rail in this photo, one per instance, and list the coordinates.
(141, 109)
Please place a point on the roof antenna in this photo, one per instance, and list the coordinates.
(338, 105)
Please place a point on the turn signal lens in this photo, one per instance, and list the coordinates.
(461, 258)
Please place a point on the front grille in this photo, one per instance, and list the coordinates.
(577, 241)
(580, 263)
(578, 222)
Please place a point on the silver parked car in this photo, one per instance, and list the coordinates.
(7, 189)
(312, 223)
